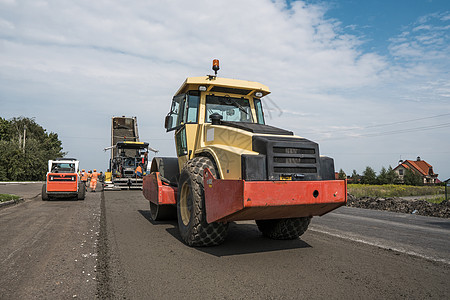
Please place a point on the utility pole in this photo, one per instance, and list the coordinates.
(447, 184)
(24, 136)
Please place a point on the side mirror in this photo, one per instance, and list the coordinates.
(168, 122)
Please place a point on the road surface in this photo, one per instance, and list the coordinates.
(421, 236)
(148, 259)
(48, 249)
(108, 247)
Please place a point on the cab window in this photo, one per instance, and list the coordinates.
(259, 111)
(180, 140)
(63, 168)
(184, 110)
(173, 119)
(230, 108)
(192, 108)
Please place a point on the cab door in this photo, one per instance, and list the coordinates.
(183, 118)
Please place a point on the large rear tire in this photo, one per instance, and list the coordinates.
(44, 194)
(191, 212)
(81, 192)
(162, 212)
(283, 229)
(167, 168)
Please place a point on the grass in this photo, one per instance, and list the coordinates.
(394, 190)
(437, 199)
(7, 197)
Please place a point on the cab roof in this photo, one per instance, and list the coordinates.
(64, 158)
(224, 85)
(132, 145)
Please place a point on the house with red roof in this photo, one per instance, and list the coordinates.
(421, 167)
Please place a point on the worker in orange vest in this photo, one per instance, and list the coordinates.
(84, 177)
(138, 171)
(89, 175)
(94, 177)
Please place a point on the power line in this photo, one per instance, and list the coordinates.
(423, 128)
(100, 138)
(438, 126)
(407, 121)
(385, 124)
(385, 153)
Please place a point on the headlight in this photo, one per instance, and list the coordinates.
(258, 94)
(202, 88)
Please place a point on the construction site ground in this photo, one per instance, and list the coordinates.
(108, 247)
(408, 205)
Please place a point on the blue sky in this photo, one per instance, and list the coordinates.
(368, 80)
(376, 22)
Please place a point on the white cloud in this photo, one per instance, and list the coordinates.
(7, 2)
(5, 25)
(428, 39)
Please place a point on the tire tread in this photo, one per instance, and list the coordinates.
(202, 233)
(283, 229)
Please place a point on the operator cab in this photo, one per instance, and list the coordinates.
(131, 154)
(63, 168)
(63, 165)
(185, 109)
(230, 100)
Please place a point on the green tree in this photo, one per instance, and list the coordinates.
(382, 176)
(5, 128)
(412, 178)
(369, 176)
(355, 177)
(392, 176)
(29, 163)
(342, 174)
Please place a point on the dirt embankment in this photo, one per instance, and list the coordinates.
(420, 207)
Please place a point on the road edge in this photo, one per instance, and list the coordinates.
(11, 202)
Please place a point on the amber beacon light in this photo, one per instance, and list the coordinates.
(215, 66)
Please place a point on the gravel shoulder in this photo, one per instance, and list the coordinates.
(407, 205)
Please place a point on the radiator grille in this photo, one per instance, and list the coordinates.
(291, 150)
(294, 170)
(61, 178)
(297, 158)
(294, 160)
